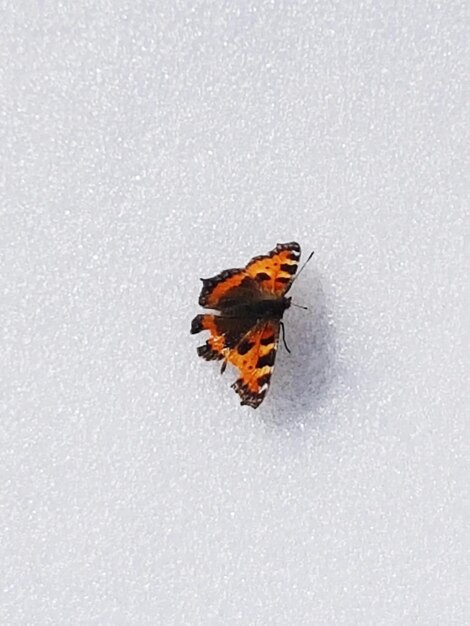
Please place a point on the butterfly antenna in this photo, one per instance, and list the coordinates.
(284, 337)
(301, 269)
(299, 306)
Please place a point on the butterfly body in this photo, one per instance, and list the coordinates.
(258, 309)
(251, 302)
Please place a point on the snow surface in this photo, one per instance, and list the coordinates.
(147, 144)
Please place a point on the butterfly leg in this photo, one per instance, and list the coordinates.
(284, 337)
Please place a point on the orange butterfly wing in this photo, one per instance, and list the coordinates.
(226, 333)
(229, 284)
(256, 365)
(275, 271)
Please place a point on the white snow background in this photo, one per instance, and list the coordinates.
(145, 145)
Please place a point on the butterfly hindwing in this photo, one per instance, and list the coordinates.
(225, 334)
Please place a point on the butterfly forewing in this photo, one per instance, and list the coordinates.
(275, 271)
(255, 362)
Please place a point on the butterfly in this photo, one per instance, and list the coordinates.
(251, 302)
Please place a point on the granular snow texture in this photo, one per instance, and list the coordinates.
(145, 145)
